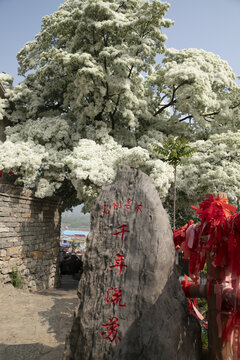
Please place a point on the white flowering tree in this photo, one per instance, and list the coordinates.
(214, 167)
(201, 91)
(85, 106)
(204, 98)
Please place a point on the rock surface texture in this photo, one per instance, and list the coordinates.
(155, 323)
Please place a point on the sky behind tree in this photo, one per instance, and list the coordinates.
(210, 25)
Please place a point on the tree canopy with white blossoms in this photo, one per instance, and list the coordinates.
(214, 167)
(93, 97)
(84, 101)
(200, 89)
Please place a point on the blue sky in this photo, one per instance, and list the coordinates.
(212, 25)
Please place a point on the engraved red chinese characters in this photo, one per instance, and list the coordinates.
(119, 262)
(117, 205)
(105, 210)
(111, 330)
(122, 231)
(139, 207)
(115, 296)
(128, 205)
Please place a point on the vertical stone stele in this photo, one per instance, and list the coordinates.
(155, 322)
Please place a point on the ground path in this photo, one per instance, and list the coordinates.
(33, 326)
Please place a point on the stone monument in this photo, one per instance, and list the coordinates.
(131, 305)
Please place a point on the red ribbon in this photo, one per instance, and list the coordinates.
(219, 235)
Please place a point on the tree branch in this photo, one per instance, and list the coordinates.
(190, 117)
(130, 71)
(98, 117)
(172, 101)
(114, 112)
(164, 97)
(235, 106)
(122, 4)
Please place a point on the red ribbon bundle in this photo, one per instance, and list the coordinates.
(219, 235)
(213, 211)
(192, 302)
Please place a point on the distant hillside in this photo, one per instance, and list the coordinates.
(75, 219)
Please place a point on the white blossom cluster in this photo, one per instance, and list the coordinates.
(200, 86)
(88, 60)
(3, 106)
(214, 167)
(23, 157)
(5, 80)
(90, 165)
(98, 164)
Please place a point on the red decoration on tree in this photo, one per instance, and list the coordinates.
(111, 330)
(214, 234)
(115, 297)
(119, 262)
(219, 236)
(214, 211)
(121, 232)
(186, 284)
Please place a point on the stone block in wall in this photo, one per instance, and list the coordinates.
(6, 199)
(5, 278)
(26, 272)
(14, 251)
(5, 243)
(37, 254)
(5, 271)
(22, 267)
(26, 215)
(4, 229)
(3, 252)
(5, 258)
(4, 212)
(2, 264)
(7, 219)
(27, 260)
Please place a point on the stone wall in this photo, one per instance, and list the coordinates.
(29, 237)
